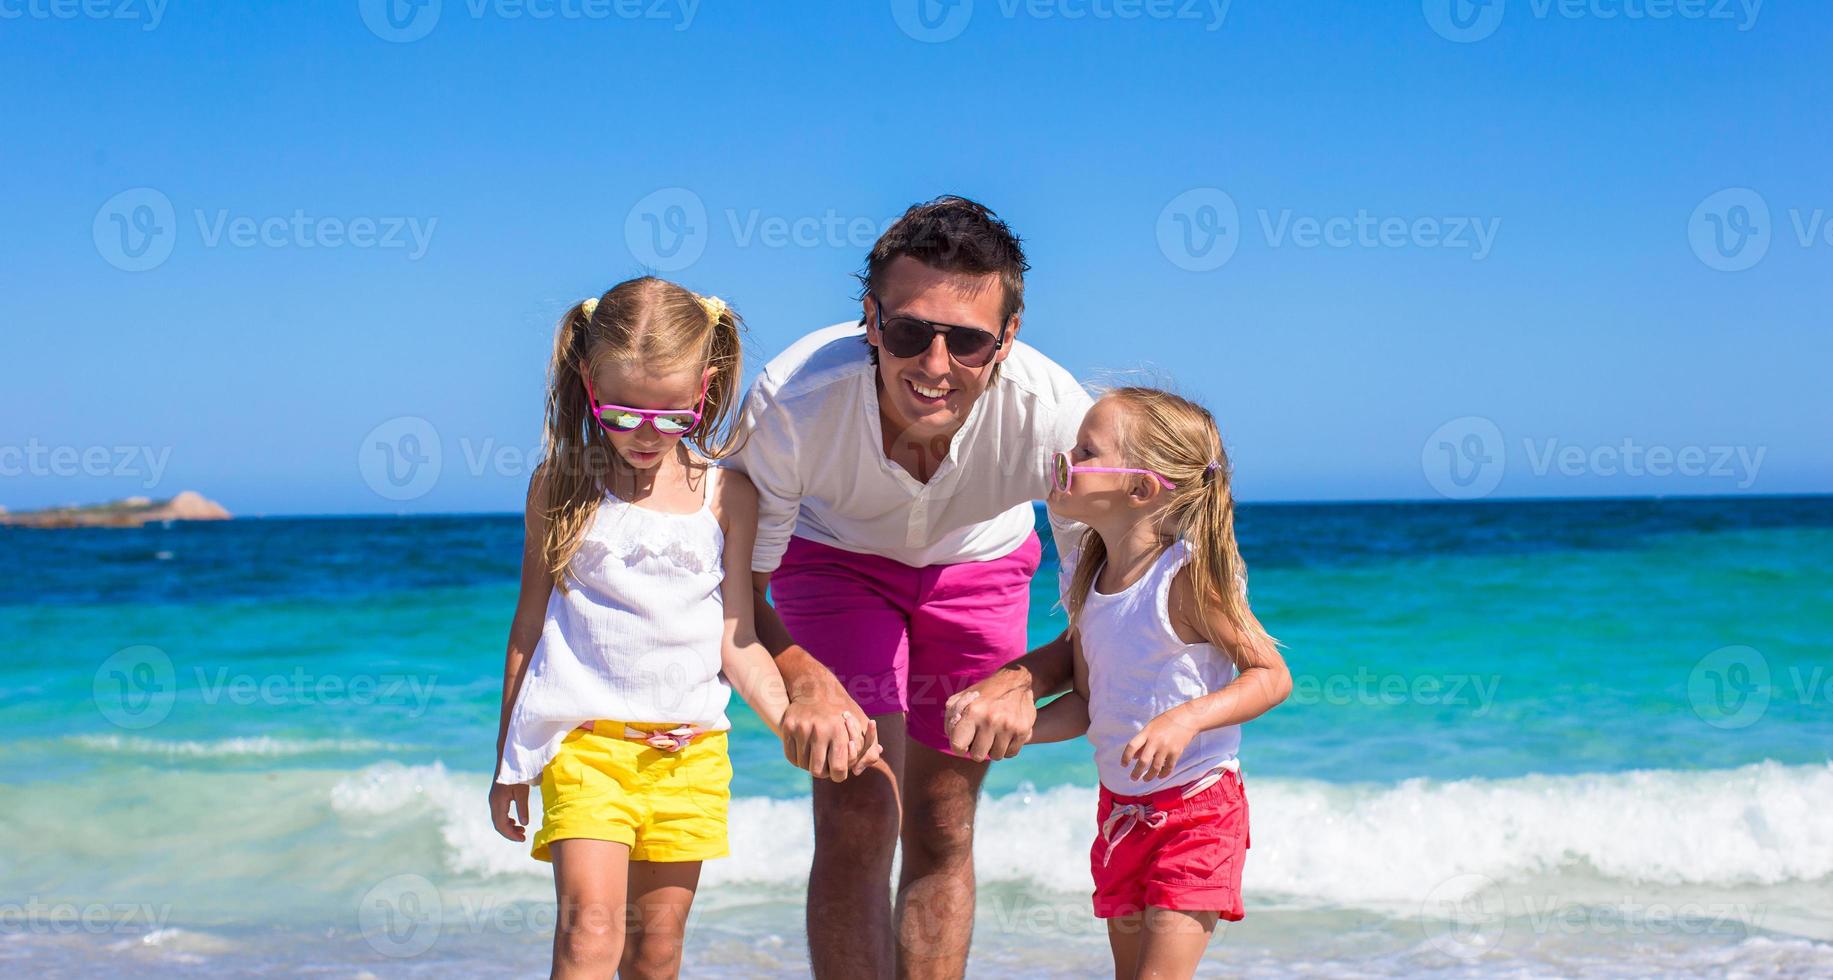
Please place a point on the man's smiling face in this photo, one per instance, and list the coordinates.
(930, 395)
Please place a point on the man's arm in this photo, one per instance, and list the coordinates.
(824, 729)
(993, 719)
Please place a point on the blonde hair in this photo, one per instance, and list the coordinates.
(646, 321)
(1178, 438)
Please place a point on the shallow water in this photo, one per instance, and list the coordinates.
(1533, 739)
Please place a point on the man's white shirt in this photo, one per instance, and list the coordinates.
(815, 451)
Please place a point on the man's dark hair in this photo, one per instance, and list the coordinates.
(953, 234)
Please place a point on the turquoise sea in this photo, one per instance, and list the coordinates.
(1526, 739)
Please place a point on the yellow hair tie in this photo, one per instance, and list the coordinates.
(588, 306)
(715, 308)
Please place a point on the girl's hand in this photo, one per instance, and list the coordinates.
(502, 795)
(1154, 752)
(862, 743)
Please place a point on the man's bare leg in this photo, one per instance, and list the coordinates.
(935, 892)
(849, 887)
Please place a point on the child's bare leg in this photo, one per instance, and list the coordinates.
(1123, 937)
(1172, 943)
(660, 894)
(590, 881)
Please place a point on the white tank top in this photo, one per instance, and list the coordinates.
(635, 638)
(1138, 668)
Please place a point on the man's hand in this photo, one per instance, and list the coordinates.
(824, 730)
(992, 720)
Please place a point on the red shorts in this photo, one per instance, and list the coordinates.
(1171, 852)
(903, 639)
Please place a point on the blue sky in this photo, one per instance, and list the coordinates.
(1402, 250)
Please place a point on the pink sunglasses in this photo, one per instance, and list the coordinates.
(666, 421)
(1062, 471)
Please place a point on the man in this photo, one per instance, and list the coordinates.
(896, 462)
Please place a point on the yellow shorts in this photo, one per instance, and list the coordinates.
(668, 806)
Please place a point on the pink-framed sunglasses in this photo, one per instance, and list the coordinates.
(666, 421)
(1062, 471)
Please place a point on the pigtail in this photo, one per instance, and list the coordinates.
(1209, 527)
(718, 435)
(569, 479)
(1178, 438)
(1091, 554)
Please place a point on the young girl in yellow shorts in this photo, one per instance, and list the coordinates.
(636, 597)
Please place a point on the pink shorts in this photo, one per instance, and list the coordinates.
(904, 639)
(1172, 852)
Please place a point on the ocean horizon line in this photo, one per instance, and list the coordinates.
(1285, 502)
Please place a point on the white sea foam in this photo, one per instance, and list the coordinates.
(1314, 843)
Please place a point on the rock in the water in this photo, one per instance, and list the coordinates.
(131, 512)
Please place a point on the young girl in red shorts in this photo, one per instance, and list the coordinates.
(1169, 661)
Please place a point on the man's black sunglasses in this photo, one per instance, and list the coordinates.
(907, 336)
